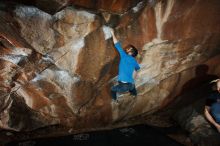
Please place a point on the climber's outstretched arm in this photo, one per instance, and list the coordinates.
(115, 40)
(117, 44)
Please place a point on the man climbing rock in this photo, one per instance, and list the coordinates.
(127, 66)
(212, 108)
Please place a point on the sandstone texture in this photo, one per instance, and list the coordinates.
(57, 68)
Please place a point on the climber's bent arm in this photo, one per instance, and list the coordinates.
(210, 118)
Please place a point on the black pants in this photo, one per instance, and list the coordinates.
(123, 87)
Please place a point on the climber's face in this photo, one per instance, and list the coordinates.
(129, 51)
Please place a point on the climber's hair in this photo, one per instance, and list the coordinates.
(134, 50)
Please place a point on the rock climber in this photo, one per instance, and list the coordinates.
(127, 67)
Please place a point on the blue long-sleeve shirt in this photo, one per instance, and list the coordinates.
(127, 65)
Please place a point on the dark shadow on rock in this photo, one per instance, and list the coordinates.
(140, 135)
(202, 78)
(195, 89)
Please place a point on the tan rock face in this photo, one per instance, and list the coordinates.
(58, 69)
